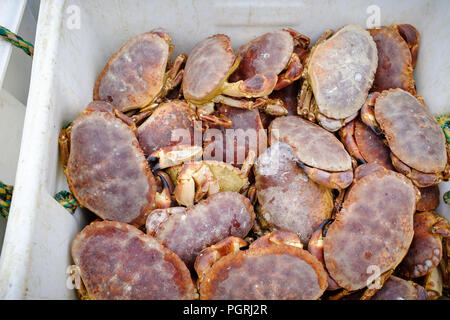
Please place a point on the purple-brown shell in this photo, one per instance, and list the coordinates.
(395, 68)
(188, 231)
(172, 123)
(341, 71)
(373, 228)
(106, 170)
(413, 134)
(207, 67)
(118, 261)
(429, 199)
(398, 289)
(425, 251)
(288, 199)
(313, 145)
(134, 76)
(267, 54)
(277, 272)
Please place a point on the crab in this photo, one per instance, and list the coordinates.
(364, 145)
(232, 145)
(429, 199)
(372, 231)
(136, 77)
(433, 283)
(397, 47)
(425, 252)
(117, 261)
(196, 180)
(273, 60)
(273, 267)
(416, 141)
(287, 199)
(207, 69)
(396, 288)
(318, 152)
(106, 170)
(337, 77)
(187, 231)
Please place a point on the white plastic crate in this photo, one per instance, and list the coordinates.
(74, 41)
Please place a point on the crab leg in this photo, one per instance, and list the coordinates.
(420, 179)
(347, 137)
(412, 38)
(64, 145)
(335, 180)
(368, 114)
(163, 199)
(257, 86)
(293, 72)
(172, 156)
(174, 75)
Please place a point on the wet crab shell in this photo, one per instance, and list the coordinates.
(373, 228)
(106, 170)
(134, 75)
(187, 231)
(277, 272)
(395, 69)
(267, 54)
(396, 288)
(118, 261)
(288, 199)
(170, 124)
(207, 67)
(413, 134)
(341, 71)
(246, 123)
(425, 251)
(429, 198)
(312, 144)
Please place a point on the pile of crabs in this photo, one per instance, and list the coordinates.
(279, 171)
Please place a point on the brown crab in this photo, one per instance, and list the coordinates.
(433, 283)
(273, 267)
(396, 288)
(168, 135)
(232, 145)
(196, 180)
(417, 142)
(117, 261)
(105, 168)
(372, 231)
(365, 145)
(319, 153)
(429, 199)
(207, 69)
(337, 77)
(425, 252)
(398, 47)
(136, 76)
(287, 199)
(187, 231)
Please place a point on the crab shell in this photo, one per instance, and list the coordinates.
(312, 145)
(188, 231)
(429, 199)
(264, 272)
(413, 134)
(268, 55)
(425, 252)
(106, 170)
(209, 64)
(246, 123)
(373, 228)
(396, 288)
(288, 199)
(395, 62)
(134, 76)
(341, 71)
(118, 261)
(161, 129)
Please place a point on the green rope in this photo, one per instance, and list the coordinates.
(5, 199)
(67, 200)
(17, 41)
(444, 122)
(447, 197)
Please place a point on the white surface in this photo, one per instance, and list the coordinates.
(36, 250)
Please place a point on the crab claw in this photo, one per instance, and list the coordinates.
(173, 155)
(278, 237)
(333, 180)
(207, 257)
(163, 198)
